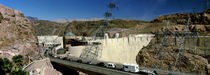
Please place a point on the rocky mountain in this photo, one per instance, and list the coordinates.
(87, 28)
(32, 19)
(44, 27)
(82, 19)
(17, 35)
(182, 18)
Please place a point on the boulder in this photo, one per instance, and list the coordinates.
(198, 28)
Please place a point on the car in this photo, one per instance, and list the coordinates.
(55, 56)
(65, 58)
(74, 59)
(89, 62)
(147, 72)
(79, 60)
(100, 64)
(111, 65)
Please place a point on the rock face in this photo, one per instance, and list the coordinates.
(181, 18)
(179, 28)
(16, 35)
(159, 57)
(44, 27)
(32, 19)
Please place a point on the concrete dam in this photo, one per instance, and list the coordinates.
(117, 50)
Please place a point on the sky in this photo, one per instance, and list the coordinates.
(87, 9)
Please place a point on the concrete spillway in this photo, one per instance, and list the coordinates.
(119, 50)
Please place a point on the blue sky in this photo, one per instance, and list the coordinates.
(77, 9)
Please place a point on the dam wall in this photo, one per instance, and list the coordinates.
(123, 50)
(119, 50)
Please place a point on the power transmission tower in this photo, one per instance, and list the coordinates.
(206, 5)
(94, 49)
(164, 42)
(179, 41)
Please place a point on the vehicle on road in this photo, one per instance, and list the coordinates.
(147, 72)
(131, 68)
(79, 60)
(100, 64)
(55, 56)
(111, 65)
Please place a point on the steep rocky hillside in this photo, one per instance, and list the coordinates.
(89, 27)
(44, 27)
(166, 57)
(181, 18)
(16, 35)
(195, 57)
(198, 21)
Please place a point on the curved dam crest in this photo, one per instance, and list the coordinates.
(118, 50)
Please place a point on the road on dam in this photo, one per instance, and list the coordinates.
(90, 68)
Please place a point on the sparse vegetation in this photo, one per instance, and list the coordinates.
(21, 14)
(7, 67)
(18, 60)
(18, 71)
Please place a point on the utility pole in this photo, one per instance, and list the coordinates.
(205, 2)
(94, 50)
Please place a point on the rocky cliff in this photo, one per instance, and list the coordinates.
(193, 60)
(16, 35)
(44, 27)
(32, 19)
(166, 57)
(181, 18)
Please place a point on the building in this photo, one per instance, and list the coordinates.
(67, 37)
(51, 41)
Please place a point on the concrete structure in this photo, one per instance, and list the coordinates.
(41, 67)
(76, 50)
(118, 50)
(125, 49)
(88, 69)
(49, 41)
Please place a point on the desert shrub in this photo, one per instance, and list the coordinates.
(18, 60)
(18, 71)
(5, 66)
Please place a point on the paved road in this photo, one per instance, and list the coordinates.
(92, 68)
